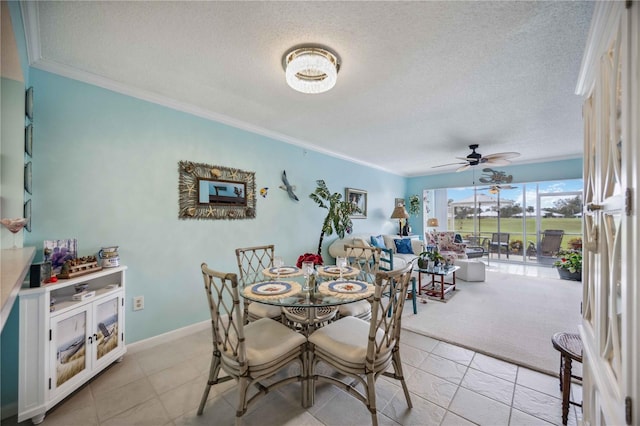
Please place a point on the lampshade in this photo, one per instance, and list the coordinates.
(399, 213)
(432, 223)
(311, 69)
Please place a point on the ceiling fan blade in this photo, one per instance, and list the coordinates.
(449, 164)
(463, 168)
(496, 161)
(503, 155)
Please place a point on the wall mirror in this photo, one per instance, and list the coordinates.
(215, 192)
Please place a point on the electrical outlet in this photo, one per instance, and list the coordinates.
(138, 303)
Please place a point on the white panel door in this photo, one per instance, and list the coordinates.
(610, 327)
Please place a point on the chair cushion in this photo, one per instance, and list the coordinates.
(355, 309)
(403, 245)
(345, 339)
(262, 310)
(267, 340)
(377, 241)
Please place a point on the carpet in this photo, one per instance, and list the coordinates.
(510, 317)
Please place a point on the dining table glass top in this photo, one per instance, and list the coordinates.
(288, 293)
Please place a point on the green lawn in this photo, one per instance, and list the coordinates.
(572, 227)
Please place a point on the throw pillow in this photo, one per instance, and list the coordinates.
(403, 246)
(377, 241)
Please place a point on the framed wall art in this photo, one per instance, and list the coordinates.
(215, 192)
(27, 178)
(359, 198)
(28, 140)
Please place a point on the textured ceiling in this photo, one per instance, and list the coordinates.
(419, 80)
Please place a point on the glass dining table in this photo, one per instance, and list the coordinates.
(286, 290)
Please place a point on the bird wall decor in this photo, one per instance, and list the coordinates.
(263, 192)
(287, 187)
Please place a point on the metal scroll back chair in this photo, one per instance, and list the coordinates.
(500, 243)
(242, 351)
(251, 262)
(550, 242)
(363, 350)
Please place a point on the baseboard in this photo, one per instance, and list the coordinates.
(141, 345)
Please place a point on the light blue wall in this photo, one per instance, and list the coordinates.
(105, 171)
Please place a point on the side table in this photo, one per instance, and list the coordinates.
(438, 289)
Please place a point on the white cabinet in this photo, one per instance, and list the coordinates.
(65, 342)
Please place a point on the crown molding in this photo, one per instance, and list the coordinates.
(145, 95)
(32, 34)
(30, 21)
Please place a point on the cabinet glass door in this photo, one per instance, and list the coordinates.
(107, 323)
(106, 327)
(69, 348)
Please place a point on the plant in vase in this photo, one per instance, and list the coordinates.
(429, 259)
(339, 212)
(309, 257)
(569, 265)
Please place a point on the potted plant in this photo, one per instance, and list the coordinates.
(414, 205)
(569, 265)
(339, 212)
(428, 259)
(576, 243)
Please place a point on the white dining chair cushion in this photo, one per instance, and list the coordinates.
(267, 340)
(262, 310)
(345, 339)
(355, 309)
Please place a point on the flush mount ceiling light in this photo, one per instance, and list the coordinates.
(311, 69)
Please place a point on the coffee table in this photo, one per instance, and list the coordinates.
(434, 288)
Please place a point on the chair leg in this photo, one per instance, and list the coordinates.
(414, 296)
(243, 390)
(560, 372)
(566, 389)
(399, 375)
(371, 398)
(214, 370)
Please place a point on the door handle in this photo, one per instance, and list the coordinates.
(592, 207)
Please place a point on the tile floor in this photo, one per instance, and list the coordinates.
(449, 385)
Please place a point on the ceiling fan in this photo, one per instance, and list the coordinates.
(475, 158)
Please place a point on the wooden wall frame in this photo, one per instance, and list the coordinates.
(215, 192)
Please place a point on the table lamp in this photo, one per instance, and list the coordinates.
(399, 213)
(432, 223)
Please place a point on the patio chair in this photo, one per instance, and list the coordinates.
(550, 242)
(251, 262)
(499, 243)
(363, 351)
(249, 353)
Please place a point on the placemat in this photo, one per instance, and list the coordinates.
(324, 289)
(295, 288)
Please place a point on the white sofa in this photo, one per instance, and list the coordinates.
(399, 259)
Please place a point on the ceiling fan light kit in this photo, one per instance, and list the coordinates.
(311, 70)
